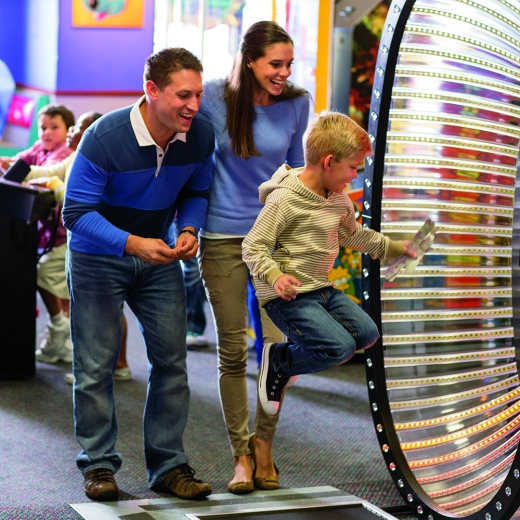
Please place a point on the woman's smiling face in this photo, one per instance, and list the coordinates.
(272, 70)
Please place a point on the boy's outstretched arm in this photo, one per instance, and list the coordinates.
(371, 242)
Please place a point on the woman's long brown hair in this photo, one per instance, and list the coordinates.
(238, 92)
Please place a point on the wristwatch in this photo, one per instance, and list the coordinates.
(190, 232)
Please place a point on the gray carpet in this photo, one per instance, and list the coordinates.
(325, 436)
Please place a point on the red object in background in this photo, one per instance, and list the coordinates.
(21, 111)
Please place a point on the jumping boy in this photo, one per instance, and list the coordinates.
(291, 250)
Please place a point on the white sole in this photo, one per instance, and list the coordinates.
(270, 407)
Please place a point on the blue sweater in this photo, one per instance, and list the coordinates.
(277, 130)
(113, 191)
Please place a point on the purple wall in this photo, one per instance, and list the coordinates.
(13, 16)
(102, 60)
(89, 60)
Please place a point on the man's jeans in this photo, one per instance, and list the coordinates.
(99, 285)
(324, 327)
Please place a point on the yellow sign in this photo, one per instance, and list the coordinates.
(108, 13)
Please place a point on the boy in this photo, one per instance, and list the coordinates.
(53, 124)
(51, 148)
(292, 248)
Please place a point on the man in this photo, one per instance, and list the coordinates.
(135, 169)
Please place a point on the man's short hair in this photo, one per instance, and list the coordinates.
(336, 134)
(159, 66)
(53, 110)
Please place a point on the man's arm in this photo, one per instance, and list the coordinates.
(192, 201)
(85, 187)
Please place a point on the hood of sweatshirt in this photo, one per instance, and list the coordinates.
(287, 178)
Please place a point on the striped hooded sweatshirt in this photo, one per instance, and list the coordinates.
(298, 232)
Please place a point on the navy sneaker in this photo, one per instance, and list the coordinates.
(270, 384)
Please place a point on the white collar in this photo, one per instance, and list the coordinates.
(141, 131)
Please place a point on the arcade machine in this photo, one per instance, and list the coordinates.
(443, 381)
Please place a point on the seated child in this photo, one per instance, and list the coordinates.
(51, 147)
(291, 250)
(53, 124)
(57, 343)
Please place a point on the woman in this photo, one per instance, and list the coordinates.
(259, 120)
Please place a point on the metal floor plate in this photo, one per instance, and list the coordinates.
(323, 502)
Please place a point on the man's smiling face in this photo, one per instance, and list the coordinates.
(178, 102)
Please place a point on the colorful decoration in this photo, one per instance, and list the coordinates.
(108, 13)
(364, 55)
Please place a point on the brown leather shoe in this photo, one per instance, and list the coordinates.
(241, 488)
(100, 484)
(180, 481)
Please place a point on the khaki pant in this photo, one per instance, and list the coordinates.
(51, 272)
(225, 277)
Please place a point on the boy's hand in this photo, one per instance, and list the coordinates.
(285, 287)
(407, 250)
(415, 249)
(398, 248)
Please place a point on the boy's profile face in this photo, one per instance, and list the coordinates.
(52, 131)
(339, 174)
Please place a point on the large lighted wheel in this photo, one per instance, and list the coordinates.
(443, 381)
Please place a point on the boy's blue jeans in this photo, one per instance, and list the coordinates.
(324, 328)
(98, 286)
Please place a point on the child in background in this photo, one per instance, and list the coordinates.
(51, 148)
(51, 155)
(54, 178)
(291, 250)
(53, 124)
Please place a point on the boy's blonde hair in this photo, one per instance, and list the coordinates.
(336, 134)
